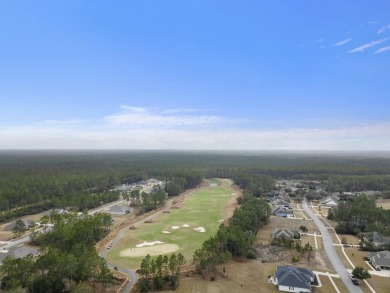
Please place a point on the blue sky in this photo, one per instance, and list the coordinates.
(279, 75)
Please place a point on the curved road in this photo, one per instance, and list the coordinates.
(131, 274)
(331, 252)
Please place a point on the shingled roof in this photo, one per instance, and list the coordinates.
(294, 277)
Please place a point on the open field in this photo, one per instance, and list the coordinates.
(384, 203)
(252, 275)
(202, 208)
(380, 284)
(357, 257)
(350, 239)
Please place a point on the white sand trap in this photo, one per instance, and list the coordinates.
(148, 244)
(185, 225)
(175, 227)
(152, 250)
(220, 221)
(166, 232)
(200, 229)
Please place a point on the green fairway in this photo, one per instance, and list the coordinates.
(202, 208)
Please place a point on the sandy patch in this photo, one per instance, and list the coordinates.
(200, 229)
(166, 232)
(185, 225)
(175, 227)
(148, 244)
(220, 221)
(152, 250)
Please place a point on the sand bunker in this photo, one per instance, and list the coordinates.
(152, 250)
(175, 227)
(166, 232)
(200, 229)
(148, 244)
(185, 225)
(220, 221)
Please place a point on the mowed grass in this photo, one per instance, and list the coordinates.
(202, 208)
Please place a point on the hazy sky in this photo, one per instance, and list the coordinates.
(195, 74)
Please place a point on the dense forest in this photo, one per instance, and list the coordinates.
(235, 239)
(34, 181)
(68, 257)
(360, 214)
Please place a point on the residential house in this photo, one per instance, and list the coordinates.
(281, 203)
(18, 252)
(380, 260)
(11, 226)
(293, 279)
(330, 201)
(119, 210)
(283, 212)
(286, 234)
(375, 240)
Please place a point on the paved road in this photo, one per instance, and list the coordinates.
(331, 252)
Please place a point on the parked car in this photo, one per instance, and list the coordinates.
(353, 279)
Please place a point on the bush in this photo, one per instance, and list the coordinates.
(295, 259)
(251, 254)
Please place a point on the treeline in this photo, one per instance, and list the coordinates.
(360, 215)
(77, 202)
(236, 239)
(160, 273)
(358, 183)
(68, 257)
(76, 179)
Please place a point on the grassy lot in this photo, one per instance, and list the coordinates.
(380, 284)
(385, 203)
(326, 287)
(351, 239)
(340, 285)
(356, 256)
(202, 208)
(252, 275)
(334, 237)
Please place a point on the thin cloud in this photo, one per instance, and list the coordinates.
(383, 49)
(343, 42)
(383, 29)
(141, 117)
(358, 137)
(134, 109)
(178, 111)
(368, 45)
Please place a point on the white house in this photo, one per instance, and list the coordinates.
(292, 279)
(330, 201)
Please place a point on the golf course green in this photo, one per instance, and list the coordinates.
(183, 230)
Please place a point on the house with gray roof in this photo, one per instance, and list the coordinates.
(293, 279)
(380, 260)
(330, 201)
(11, 225)
(18, 252)
(285, 234)
(281, 203)
(375, 239)
(119, 210)
(283, 212)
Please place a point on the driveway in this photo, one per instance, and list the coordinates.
(331, 252)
